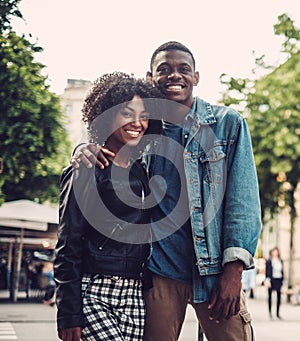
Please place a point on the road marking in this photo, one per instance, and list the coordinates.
(7, 331)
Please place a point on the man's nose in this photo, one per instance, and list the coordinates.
(174, 75)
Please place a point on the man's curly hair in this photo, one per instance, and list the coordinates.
(115, 90)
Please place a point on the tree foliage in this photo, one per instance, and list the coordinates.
(34, 144)
(286, 27)
(271, 105)
(8, 9)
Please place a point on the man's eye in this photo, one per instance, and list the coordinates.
(162, 69)
(185, 69)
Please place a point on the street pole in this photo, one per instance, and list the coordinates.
(17, 266)
(9, 266)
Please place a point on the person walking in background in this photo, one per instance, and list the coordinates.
(274, 279)
(103, 245)
(249, 281)
(47, 272)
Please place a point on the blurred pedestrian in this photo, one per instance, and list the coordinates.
(249, 281)
(47, 273)
(274, 279)
(295, 299)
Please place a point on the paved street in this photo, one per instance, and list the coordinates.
(36, 322)
(287, 329)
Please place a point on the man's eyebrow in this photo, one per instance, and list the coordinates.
(163, 63)
(181, 64)
(185, 64)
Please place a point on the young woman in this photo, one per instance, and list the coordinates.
(104, 236)
(274, 279)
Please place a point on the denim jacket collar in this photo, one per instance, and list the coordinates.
(201, 113)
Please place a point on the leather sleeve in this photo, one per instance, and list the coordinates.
(69, 255)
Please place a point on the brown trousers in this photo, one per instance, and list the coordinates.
(166, 304)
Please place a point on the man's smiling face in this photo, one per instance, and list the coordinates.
(173, 72)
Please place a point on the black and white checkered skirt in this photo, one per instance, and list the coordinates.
(113, 308)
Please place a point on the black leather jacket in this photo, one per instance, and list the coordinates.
(94, 239)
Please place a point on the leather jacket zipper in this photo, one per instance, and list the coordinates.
(109, 237)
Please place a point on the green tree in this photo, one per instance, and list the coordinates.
(34, 144)
(8, 9)
(271, 105)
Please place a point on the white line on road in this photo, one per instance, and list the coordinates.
(7, 331)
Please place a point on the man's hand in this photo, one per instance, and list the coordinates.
(70, 334)
(90, 154)
(225, 300)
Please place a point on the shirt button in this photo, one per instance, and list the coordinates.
(186, 136)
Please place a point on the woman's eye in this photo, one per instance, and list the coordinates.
(126, 114)
(144, 117)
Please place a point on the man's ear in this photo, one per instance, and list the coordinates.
(196, 78)
(149, 76)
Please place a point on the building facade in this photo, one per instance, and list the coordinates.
(72, 101)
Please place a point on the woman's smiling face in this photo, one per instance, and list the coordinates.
(129, 124)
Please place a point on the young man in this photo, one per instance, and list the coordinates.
(215, 228)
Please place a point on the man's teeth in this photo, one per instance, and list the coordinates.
(133, 133)
(174, 87)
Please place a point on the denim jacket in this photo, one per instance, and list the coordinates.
(222, 186)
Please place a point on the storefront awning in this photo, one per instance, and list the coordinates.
(26, 214)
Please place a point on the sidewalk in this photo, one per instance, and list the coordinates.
(23, 311)
(26, 320)
(287, 329)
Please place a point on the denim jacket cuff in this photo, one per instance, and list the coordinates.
(232, 254)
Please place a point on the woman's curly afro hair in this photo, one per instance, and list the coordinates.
(115, 89)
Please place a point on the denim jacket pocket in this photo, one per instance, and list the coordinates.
(213, 163)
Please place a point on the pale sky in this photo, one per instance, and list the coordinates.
(84, 39)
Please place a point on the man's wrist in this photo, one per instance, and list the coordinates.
(236, 266)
